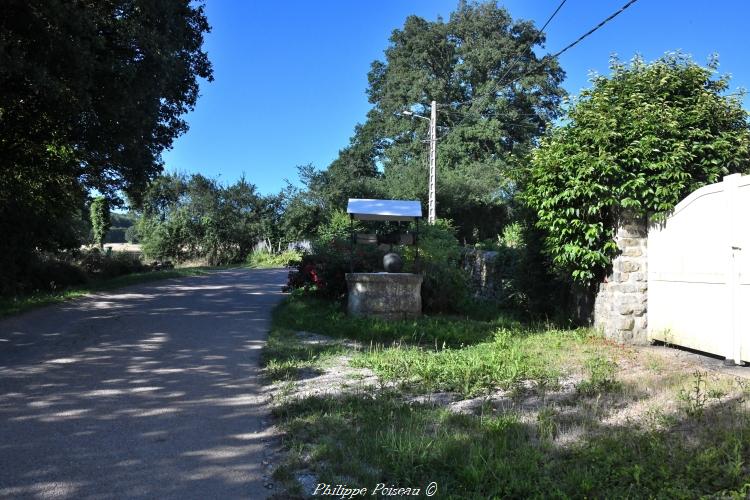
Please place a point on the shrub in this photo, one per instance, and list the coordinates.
(121, 263)
(445, 285)
(633, 145)
(100, 219)
(100, 265)
(444, 289)
(49, 273)
(324, 270)
(264, 259)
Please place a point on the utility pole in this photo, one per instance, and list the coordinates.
(433, 160)
(431, 210)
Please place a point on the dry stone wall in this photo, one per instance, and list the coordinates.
(480, 265)
(620, 309)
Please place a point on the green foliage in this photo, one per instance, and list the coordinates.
(636, 143)
(337, 229)
(263, 259)
(104, 266)
(445, 285)
(602, 377)
(100, 219)
(91, 93)
(302, 312)
(490, 112)
(194, 217)
(513, 235)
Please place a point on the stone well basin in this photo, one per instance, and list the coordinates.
(385, 295)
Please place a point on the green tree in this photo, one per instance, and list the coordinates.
(639, 140)
(100, 219)
(197, 218)
(305, 209)
(495, 97)
(91, 93)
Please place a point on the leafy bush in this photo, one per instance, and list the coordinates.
(99, 265)
(324, 270)
(184, 218)
(49, 274)
(100, 219)
(445, 286)
(121, 263)
(337, 229)
(264, 259)
(444, 289)
(635, 144)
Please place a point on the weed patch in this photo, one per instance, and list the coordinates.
(601, 379)
(366, 440)
(530, 428)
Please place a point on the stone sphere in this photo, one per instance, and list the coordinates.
(392, 263)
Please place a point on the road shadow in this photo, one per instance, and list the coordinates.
(148, 392)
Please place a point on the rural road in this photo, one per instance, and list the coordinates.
(150, 391)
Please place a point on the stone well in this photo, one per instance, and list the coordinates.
(385, 295)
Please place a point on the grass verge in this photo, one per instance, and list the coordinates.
(15, 305)
(631, 424)
(363, 441)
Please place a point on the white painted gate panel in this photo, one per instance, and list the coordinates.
(699, 282)
(742, 262)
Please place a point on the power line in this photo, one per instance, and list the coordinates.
(592, 30)
(531, 45)
(557, 54)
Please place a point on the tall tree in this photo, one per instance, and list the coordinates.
(494, 94)
(639, 140)
(100, 219)
(91, 93)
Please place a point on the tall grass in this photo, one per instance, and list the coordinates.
(263, 259)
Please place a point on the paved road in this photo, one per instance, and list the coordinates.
(148, 392)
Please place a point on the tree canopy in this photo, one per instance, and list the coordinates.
(91, 93)
(639, 140)
(494, 94)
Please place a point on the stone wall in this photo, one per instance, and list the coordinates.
(622, 301)
(480, 266)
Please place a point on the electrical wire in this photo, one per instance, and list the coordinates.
(592, 30)
(531, 45)
(556, 54)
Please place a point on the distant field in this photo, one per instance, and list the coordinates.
(120, 247)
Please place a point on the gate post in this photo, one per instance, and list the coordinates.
(620, 309)
(734, 249)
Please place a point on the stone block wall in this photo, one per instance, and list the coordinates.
(621, 305)
(480, 266)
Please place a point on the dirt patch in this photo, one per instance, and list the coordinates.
(335, 378)
(653, 383)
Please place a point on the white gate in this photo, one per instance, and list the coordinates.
(699, 271)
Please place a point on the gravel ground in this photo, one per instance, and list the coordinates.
(151, 391)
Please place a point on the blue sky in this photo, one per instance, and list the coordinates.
(290, 77)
